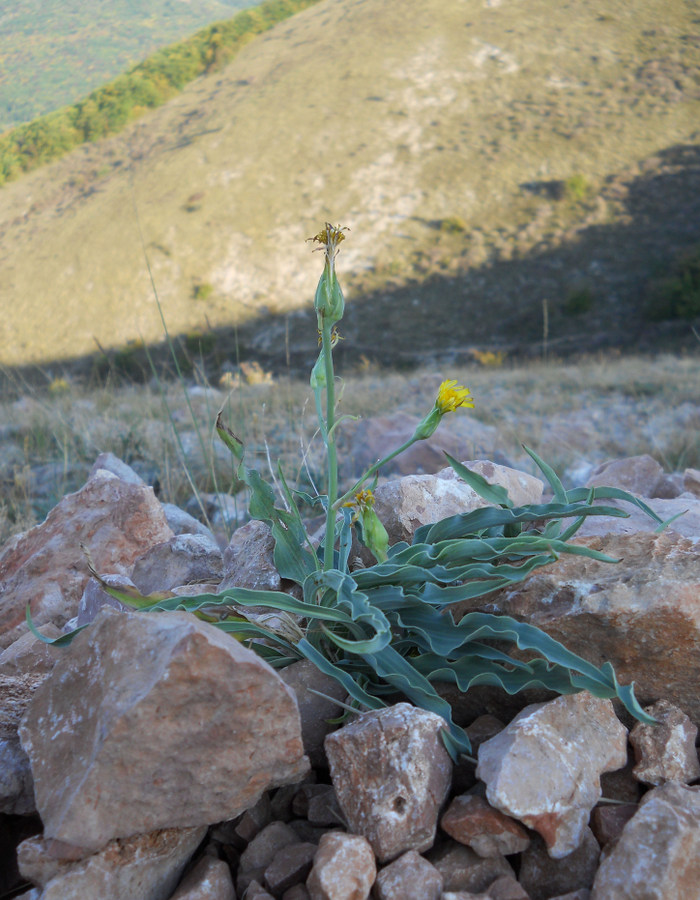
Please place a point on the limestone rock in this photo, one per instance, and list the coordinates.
(665, 752)
(146, 866)
(544, 768)
(637, 474)
(315, 711)
(344, 868)
(371, 438)
(183, 559)
(111, 463)
(248, 559)
(209, 880)
(406, 504)
(46, 567)
(410, 877)
(95, 597)
(463, 870)
(607, 822)
(182, 522)
(691, 481)
(685, 506)
(471, 821)
(192, 735)
(391, 774)
(543, 877)
(642, 614)
(16, 784)
(261, 852)
(658, 854)
(289, 867)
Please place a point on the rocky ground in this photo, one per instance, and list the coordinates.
(157, 757)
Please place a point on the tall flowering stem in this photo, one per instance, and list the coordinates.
(329, 304)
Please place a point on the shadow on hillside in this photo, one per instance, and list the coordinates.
(593, 283)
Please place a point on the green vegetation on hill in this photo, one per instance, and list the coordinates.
(145, 86)
(53, 52)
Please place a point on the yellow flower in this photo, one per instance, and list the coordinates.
(330, 236)
(374, 535)
(361, 502)
(451, 396)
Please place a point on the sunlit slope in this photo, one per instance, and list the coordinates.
(389, 116)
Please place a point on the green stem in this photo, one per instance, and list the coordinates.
(326, 348)
(372, 469)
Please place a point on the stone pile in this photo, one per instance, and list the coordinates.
(156, 757)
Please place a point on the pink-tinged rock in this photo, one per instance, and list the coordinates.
(665, 752)
(642, 614)
(391, 775)
(410, 877)
(544, 768)
(506, 888)
(183, 559)
(470, 820)
(47, 568)
(344, 868)
(637, 474)
(191, 735)
(209, 880)
(406, 504)
(95, 597)
(298, 892)
(658, 854)
(463, 870)
(370, 439)
(248, 559)
(16, 784)
(543, 877)
(146, 866)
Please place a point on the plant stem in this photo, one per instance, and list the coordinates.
(372, 469)
(327, 350)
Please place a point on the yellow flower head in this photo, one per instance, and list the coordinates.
(361, 502)
(330, 237)
(451, 396)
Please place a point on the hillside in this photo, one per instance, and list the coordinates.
(488, 157)
(54, 52)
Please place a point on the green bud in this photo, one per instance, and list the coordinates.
(374, 534)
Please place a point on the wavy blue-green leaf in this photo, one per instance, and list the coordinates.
(63, 641)
(549, 474)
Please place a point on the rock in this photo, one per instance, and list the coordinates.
(298, 892)
(261, 852)
(406, 504)
(410, 877)
(146, 866)
(194, 734)
(370, 439)
(581, 894)
(544, 768)
(209, 880)
(391, 774)
(95, 597)
(183, 559)
(506, 888)
(637, 474)
(303, 677)
(46, 566)
(248, 559)
(482, 729)
(607, 822)
(290, 866)
(182, 522)
(642, 614)
(14, 830)
(665, 752)
(685, 506)
(658, 854)
(691, 481)
(344, 868)
(471, 821)
(255, 891)
(16, 784)
(543, 877)
(111, 463)
(318, 804)
(463, 870)
(254, 819)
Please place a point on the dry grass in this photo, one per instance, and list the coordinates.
(574, 415)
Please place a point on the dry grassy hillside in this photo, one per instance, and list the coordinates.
(486, 155)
